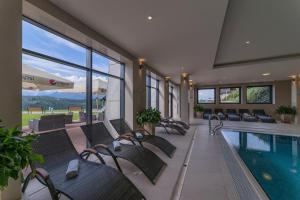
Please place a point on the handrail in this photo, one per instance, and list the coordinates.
(217, 127)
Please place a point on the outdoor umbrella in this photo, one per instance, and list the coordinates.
(35, 79)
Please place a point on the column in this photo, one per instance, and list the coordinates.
(184, 97)
(11, 75)
(296, 97)
(161, 96)
(11, 61)
(138, 92)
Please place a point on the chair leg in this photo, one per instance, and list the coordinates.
(27, 179)
(117, 164)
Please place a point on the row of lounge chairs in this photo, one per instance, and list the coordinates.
(96, 180)
(244, 114)
(171, 126)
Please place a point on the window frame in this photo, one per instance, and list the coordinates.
(271, 94)
(240, 95)
(170, 99)
(87, 68)
(212, 88)
(148, 91)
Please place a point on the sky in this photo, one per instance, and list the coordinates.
(41, 41)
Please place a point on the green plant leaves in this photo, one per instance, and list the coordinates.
(286, 110)
(149, 115)
(15, 154)
(198, 108)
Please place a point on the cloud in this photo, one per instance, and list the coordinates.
(62, 41)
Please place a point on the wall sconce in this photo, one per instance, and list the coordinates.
(141, 62)
(191, 83)
(184, 75)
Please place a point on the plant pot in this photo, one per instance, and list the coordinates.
(286, 118)
(150, 128)
(199, 114)
(12, 191)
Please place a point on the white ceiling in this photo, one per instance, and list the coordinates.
(184, 35)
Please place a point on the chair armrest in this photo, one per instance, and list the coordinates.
(41, 173)
(141, 130)
(87, 152)
(126, 137)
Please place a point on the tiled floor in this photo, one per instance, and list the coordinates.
(205, 177)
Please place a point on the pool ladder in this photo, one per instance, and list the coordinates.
(213, 131)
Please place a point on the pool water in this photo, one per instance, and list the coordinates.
(274, 161)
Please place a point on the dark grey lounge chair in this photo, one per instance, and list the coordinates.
(100, 139)
(166, 124)
(178, 122)
(247, 116)
(206, 113)
(263, 117)
(95, 181)
(232, 115)
(123, 129)
(220, 113)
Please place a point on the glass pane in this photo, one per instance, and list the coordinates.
(44, 42)
(50, 88)
(154, 83)
(104, 64)
(230, 95)
(206, 95)
(106, 98)
(153, 98)
(259, 94)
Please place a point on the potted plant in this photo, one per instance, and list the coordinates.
(198, 110)
(287, 113)
(15, 154)
(148, 118)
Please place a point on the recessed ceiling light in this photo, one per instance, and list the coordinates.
(149, 17)
(266, 74)
(247, 42)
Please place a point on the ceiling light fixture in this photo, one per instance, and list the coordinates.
(149, 17)
(266, 74)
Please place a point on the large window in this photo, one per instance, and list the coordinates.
(63, 77)
(230, 95)
(259, 94)
(152, 92)
(39, 40)
(206, 96)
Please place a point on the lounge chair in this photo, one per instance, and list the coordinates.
(123, 129)
(220, 113)
(100, 139)
(206, 113)
(178, 122)
(232, 115)
(247, 116)
(262, 116)
(95, 181)
(166, 124)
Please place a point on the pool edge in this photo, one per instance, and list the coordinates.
(251, 181)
